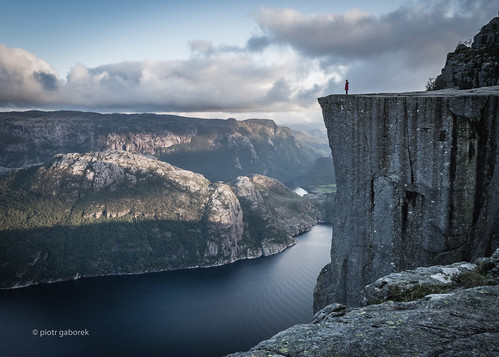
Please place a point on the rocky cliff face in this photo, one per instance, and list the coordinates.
(115, 212)
(475, 66)
(218, 149)
(417, 184)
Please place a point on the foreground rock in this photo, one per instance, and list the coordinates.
(411, 284)
(460, 322)
(116, 212)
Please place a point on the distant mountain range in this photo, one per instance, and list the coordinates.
(217, 149)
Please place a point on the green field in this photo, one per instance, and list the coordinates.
(321, 188)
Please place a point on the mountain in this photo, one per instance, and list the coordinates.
(475, 66)
(218, 149)
(322, 173)
(115, 212)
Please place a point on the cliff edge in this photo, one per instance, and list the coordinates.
(417, 184)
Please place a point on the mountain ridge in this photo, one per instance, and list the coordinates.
(115, 212)
(220, 149)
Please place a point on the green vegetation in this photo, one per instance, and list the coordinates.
(55, 224)
(321, 174)
(472, 278)
(431, 85)
(322, 188)
(61, 252)
(418, 292)
(53, 228)
(466, 280)
(262, 223)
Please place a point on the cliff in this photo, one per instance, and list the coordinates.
(475, 66)
(218, 149)
(457, 321)
(417, 184)
(115, 212)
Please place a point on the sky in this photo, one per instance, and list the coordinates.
(223, 58)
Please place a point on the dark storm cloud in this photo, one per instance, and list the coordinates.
(257, 43)
(26, 78)
(398, 51)
(47, 80)
(357, 34)
(279, 92)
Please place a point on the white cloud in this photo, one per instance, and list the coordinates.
(222, 82)
(26, 78)
(280, 72)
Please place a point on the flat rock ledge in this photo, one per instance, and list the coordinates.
(460, 322)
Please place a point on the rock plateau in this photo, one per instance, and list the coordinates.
(417, 184)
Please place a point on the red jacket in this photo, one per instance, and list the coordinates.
(346, 85)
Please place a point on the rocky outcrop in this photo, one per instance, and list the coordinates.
(275, 204)
(417, 184)
(459, 322)
(115, 212)
(412, 284)
(475, 66)
(218, 149)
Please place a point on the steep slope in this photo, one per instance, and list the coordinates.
(417, 184)
(115, 212)
(218, 149)
(475, 66)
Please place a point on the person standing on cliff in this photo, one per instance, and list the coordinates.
(346, 86)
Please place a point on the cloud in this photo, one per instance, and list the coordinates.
(291, 60)
(25, 78)
(357, 34)
(202, 47)
(279, 92)
(47, 80)
(257, 43)
(414, 40)
(221, 81)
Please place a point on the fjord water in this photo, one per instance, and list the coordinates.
(197, 312)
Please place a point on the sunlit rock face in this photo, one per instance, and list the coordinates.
(116, 212)
(417, 184)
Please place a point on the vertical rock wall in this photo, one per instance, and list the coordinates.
(417, 184)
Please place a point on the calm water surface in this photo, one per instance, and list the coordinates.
(199, 312)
